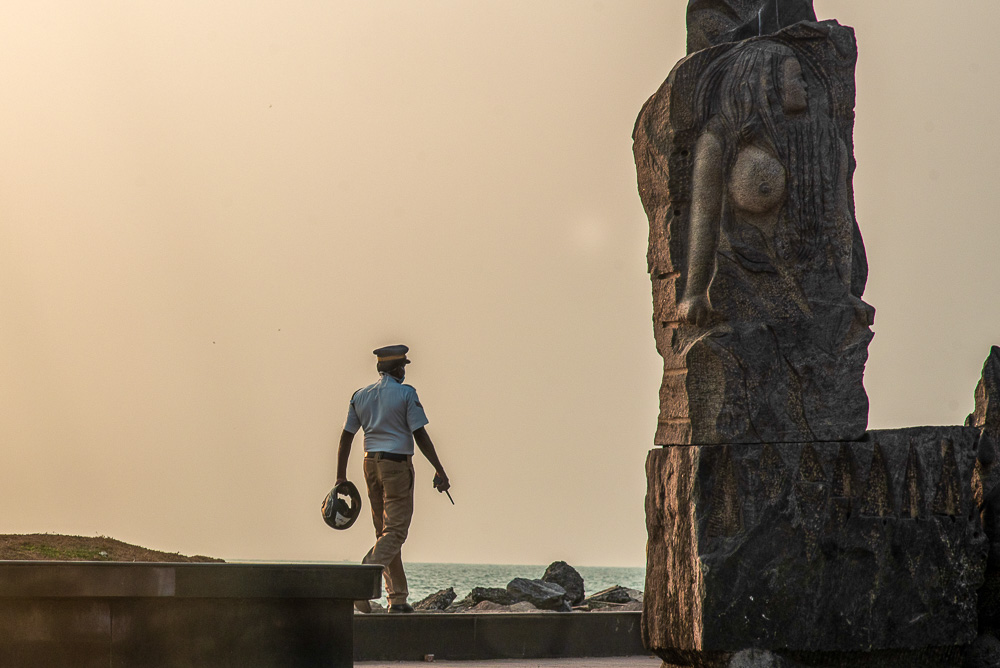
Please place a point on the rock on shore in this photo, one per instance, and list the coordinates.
(560, 589)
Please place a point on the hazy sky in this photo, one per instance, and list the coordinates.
(211, 213)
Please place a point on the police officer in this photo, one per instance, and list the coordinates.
(392, 418)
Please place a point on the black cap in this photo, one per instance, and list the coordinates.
(392, 353)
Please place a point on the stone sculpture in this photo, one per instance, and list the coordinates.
(823, 547)
(744, 158)
(986, 486)
(711, 22)
(782, 532)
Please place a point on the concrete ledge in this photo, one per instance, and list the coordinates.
(44, 579)
(484, 636)
(159, 615)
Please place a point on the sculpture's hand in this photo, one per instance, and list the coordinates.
(696, 310)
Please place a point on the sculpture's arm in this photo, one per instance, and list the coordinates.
(856, 265)
(858, 261)
(708, 188)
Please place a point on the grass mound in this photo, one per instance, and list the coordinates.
(57, 547)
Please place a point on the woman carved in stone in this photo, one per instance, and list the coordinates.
(774, 332)
(769, 189)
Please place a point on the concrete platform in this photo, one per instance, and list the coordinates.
(490, 636)
(157, 615)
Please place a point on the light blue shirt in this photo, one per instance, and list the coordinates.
(389, 412)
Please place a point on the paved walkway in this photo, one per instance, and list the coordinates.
(612, 662)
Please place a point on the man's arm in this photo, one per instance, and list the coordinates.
(343, 454)
(423, 441)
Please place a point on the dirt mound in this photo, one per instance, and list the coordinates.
(56, 547)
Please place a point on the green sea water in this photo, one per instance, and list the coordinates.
(425, 579)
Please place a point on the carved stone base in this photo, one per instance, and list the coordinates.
(870, 548)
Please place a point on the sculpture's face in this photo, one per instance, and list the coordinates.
(793, 87)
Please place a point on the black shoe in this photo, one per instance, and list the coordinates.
(400, 608)
(363, 606)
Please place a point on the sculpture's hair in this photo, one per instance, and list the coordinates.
(739, 99)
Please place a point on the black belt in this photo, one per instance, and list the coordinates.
(391, 456)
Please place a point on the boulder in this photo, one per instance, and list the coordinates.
(492, 594)
(522, 606)
(488, 606)
(616, 594)
(567, 577)
(541, 594)
(631, 606)
(437, 601)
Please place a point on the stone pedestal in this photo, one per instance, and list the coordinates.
(862, 552)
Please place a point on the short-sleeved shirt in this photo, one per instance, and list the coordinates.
(389, 412)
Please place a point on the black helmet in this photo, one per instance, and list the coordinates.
(336, 513)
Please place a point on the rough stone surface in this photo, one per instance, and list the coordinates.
(616, 594)
(488, 606)
(711, 22)
(986, 418)
(744, 159)
(986, 414)
(757, 658)
(437, 601)
(986, 484)
(567, 577)
(492, 594)
(543, 595)
(631, 606)
(949, 657)
(522, 606)
(814, 547)
(983, 653)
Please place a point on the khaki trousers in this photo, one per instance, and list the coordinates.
(390, 493)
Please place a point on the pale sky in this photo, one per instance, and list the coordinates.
(211, 213)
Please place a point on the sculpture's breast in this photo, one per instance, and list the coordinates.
(757, 182)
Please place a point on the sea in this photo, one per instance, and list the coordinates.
(426, 579)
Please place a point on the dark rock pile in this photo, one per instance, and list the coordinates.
(560, 589)
(437, 601)
(567, 577)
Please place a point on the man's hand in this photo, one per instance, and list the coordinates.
(441, 483)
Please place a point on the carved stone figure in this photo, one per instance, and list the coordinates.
(756, 260)
(781, 531)
(711, 22)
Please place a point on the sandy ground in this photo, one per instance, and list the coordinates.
(612, 662)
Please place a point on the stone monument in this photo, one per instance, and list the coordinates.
(776, 522)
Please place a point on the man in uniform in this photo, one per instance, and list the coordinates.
(392, 418)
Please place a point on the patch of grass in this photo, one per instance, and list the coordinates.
(62, 554)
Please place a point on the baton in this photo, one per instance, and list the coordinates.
(437, 481)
